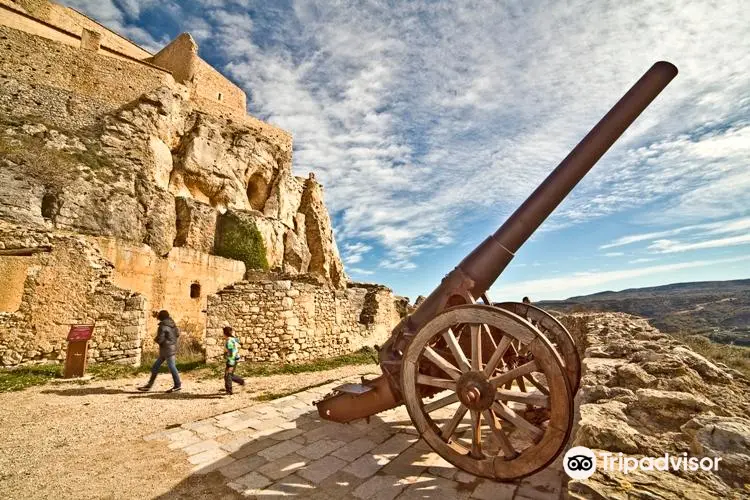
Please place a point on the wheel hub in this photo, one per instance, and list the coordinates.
(475, 391)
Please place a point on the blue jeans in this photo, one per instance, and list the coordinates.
(172, 369)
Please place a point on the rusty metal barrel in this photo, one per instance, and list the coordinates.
(485, 264)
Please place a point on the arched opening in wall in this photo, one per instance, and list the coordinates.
(257, 192)
(49, 206)
(195, 291)
(220, 96)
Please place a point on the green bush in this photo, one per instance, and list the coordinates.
(238, 238)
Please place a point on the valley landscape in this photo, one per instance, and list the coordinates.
(719, 310)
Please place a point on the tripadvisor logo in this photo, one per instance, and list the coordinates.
(581, 463)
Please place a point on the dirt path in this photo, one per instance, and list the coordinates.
(85, 441)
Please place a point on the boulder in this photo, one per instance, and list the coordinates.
(605, 426)
(196, 225)
(724, 437)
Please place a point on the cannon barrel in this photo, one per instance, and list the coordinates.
(479, 270)
(485, 264)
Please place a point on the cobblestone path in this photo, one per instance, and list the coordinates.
(282, 448)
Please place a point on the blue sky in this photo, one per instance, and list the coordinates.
(429, 122)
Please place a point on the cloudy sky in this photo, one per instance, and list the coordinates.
(429, 122)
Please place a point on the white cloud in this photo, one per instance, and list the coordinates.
(614, 254)
(670, 246)
(566, 286)
(398, 264)
(356, 270)
(733, 232)
(641, 260)
(353, 252)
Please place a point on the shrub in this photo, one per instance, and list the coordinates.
(238, 238)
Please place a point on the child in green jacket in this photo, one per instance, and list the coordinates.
(232, 355)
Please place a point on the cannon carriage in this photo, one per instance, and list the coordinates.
(490, 386)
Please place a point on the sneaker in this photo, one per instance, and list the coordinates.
(242, 382)
(144, 388)
(175, 389)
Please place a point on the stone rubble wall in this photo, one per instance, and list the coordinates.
(643, 394)
(36, 65)
(293, 320)
(66, 282)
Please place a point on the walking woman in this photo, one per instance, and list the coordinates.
(232, 354)
(167, 336)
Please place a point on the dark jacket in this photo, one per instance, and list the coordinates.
(166, 336)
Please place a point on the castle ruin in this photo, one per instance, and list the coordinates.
(132, 182)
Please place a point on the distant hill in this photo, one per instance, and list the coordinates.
(719, 310)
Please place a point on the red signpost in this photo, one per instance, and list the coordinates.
(78, 346)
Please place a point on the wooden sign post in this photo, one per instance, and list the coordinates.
(78, 347)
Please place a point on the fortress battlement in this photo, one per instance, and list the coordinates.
(75, 69)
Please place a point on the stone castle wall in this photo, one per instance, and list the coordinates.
(292, 320)
(58, 80)
(34, 326)
(209, 89)
(67, 19)
(212, 86)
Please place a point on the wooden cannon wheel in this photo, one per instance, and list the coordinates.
(508, 433)
(556, 333)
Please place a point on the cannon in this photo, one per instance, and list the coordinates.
(490, 386)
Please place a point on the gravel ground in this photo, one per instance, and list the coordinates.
(67, 440)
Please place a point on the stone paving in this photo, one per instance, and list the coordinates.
(283, 448)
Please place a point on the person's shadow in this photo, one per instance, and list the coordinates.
(89, 391)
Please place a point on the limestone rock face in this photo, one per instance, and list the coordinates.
(725, 437)
(196, 225)
(122, 179)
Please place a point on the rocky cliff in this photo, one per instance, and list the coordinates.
(643, 394)
(159, 171)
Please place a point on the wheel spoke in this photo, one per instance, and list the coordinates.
(517, 420)
(530, 377)
(529, 398)
(436, 382)
(489, 369)
(476, 434)
(520, 383)
(442, 363)
(450, 427)
(458, 353)
(476, 348)
(508, 376)
(487, 331)
(500, 437)
(441, 403)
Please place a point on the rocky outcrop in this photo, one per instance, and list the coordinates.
(158, 172)
(196, 225)
(643, 394)
(324, 254)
